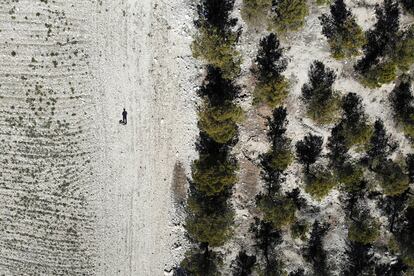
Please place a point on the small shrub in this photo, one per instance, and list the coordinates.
(350, 176)
(325, 112)
(404, 54)
(289, 15)
(278, 160)
(254, 11)
(364, 232)
(319, 184)
(218, 49)
(379, 74)
(277, 210)
(299, 230)
(394, 181)
(323, 2)
(272, 93)
(220, 122)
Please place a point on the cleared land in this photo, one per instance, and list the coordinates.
(80, 193)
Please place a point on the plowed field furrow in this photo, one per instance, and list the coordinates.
(45, 141)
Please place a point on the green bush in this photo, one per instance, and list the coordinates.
(199, 263)
(279, 159)
(212, 176)
(218, 49)
(365, 231)
(404, 54)
(272, 93)
(408, 128)
(394, 181)
(319, 183)
(299, 230)
(347, 43)
(220, 122)
(357, 135)
(324, 112)
(323, 2)
(289, 15)
(277, 210)
(211, 228)
(350, 176)
(254, 12)
(380, 74)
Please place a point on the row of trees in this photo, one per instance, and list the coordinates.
(210, 215)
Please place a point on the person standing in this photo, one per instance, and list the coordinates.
(124, 117)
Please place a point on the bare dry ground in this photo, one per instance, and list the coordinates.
(81, 194)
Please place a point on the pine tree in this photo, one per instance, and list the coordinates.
(360, 259)
(344, 35)
(270, 60)
(408, 5)
(380, 146)
(309, 149)
(201, 262)
(381, 40)
(217, 13)
(410, 167)
(320, 98)
(405, 237)
(243, 265)
(272, 87)
(266, 238)
(355, 128)
(315, 253)
(402, 100)
(280, 156)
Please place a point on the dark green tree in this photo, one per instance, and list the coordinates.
(408, 5)
(344, 35)
(402, 102)
(266, 239)
(405, 237)
(309, 149)
(315, 253)
(382, 38)
(280, 156)
(380, 145)
(243, 265)
(320, 98)
(354, 122)
(272, 86)
(269, 59)
(202, 262)
(360, 259)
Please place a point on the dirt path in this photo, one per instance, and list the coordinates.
(144, 67)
